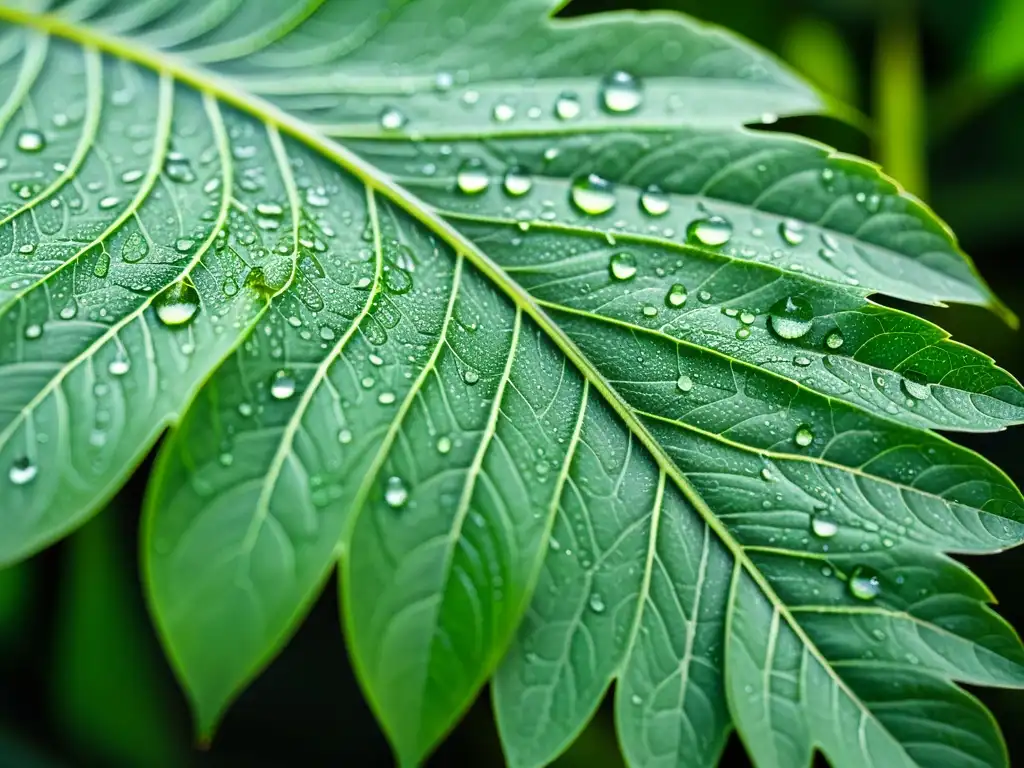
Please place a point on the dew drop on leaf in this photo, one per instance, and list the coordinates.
(823, 527)
(472, 178)
(177, 305)
(503, 112)
(834, 340)
(712, 231)
(567, 106)
(649, 311)
(684, 383)
(864, 583)
(596, 603)
(620, 92)
(134, 248)
(282, 386)
(345, 436)
(33, 331)
(676, 296)
(395, 493)
(517, 182)
(803, 436)
(592, 194)
(386, 398)
(470, 376)
(119, 366)
(102, 266)
(391, 119)
(22, 471)
(654, 201)
(791, 318)
(791, 231)
(915, 385)
(31, 140)
(622, 265)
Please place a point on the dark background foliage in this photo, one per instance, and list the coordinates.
(82, 678)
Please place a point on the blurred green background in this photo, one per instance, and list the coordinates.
(82, 679)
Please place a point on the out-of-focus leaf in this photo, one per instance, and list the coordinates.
(818, 50)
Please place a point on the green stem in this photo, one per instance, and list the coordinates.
(899, 99)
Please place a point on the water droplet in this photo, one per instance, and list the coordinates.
(22, 471)
(472, 177)
(503, 112)
(596, 603)
(119, 366)
(30, 140)
(823, 527)
(792, 231)
(864, 583)
(391, 119)
(791, 318)
(177, 305)
(229, 286)
(444, 444)
(395, 493)
(386, 398)
(567, 106)
(766, 475)
(184, 244)
(712, 231)
(649, 311)
(470, 376)
(684, 383)
(803, 436)
(676, 296)
(134, 248)
(345, 436)
(622, 265)
(282, 386)
(834, 340)
(637, 701)
(517, 182)
(130, 177)
(743, 333)
(654, 201)
(33, 331)
(801, 361)
(592, 194)
(102, 266)
(620, 92)
(108, 202)
(915, 384)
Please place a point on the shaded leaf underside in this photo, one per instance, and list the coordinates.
(551, 445)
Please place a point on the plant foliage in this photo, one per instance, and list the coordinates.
(575, 378)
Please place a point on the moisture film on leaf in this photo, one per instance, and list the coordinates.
(576, 378)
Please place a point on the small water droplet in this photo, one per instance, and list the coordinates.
(637, 701)
(345, 436)
(108, 202)
(823, 527)
(444, 444)
(622, 265)
(621, 92)
(684, 383)
(395, 493)
(792, 231)
(712, 231)
(177, 305)
(33, 331)
(119, 366)
(654, 201)
(864, 583)
(391, 119)
(915, 385)
(31, 140)
(676, 296)
(567, 106)
(22, 471)
(386, 398)
(470, 376)
(282, 386)
(596, 603)
(803, 436)
(503, 112)
(649, 311)
(517, 182)
(130, 177)
(791, 318)
(834, 340)
(472, 177)
(801, 361)
(592, 194)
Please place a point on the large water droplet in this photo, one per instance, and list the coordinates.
(33, 331)
(864, 583)
(391, 119)
(713, 231)
(592, 194)
(470, 376)
(792, 231)
(472, 177)
(834, 340)
(621, 92)
(119, 366)
(31, 140)
(654, 201)
(803, 436)
(676, 296)
(791, 317)
(22, 471)
(282, 386)
(622, 265)
(567, 106)
(915, 385)
(395, 493)
(684, 383)
(134, 248)
(517, 182)
(823, 527)
(177, 305)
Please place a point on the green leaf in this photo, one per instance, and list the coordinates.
(577, 378)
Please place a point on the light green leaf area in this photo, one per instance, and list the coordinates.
(577, 380)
